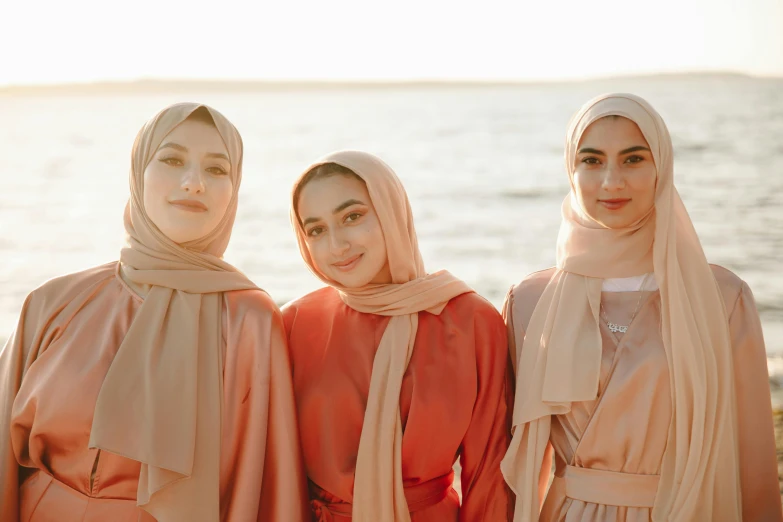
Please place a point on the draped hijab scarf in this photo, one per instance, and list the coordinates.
(559, 362)
(378, 494)
(160, 403)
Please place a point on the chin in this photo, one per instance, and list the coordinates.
(351, 281)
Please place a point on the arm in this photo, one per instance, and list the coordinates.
(284, 496)
(15, 359)
(545, 475)
(485, 496)
(758, 463)
(262, 477)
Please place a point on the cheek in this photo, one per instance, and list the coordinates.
(156, 188)
(586, 185)
(319, 252)
(376, 241)
(221, 189)
(643, 185)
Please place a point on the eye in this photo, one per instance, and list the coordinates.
(172, 162)
(217, 171)
(591, 160)
(315, 231)
(353, 216)
(634, 159)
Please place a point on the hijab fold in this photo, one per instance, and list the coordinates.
(378, 494)
(559, 362)
(160, 403)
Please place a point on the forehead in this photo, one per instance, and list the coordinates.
(196, 136)
(612, 132)
(322, 195)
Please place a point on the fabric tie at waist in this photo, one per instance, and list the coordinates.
(610, 488)
(43, 497)
(418, 497)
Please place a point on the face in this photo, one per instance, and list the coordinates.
(342, 230)
(615, 175)
(187, 184)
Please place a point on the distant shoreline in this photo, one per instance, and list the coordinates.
(147, 86)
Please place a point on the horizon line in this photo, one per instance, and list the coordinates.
(244, 83)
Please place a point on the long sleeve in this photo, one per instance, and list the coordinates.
(485, 494)
(284, 496)
(758, 463)
(545, 475)
(16, 357)
(262, 475)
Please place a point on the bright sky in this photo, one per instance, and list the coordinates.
(50, 41)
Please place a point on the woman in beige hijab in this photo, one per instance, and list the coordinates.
(397, 372)
(639, 366)
(156, 387)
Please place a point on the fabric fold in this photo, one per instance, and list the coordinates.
(559, 362)
(379, 495)
(160, 403)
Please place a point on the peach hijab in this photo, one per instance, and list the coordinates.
(378, 494)
(560, 358)
(161, 401)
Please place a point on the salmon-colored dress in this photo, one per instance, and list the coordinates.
(624, 431)
(62, 368)
(455, 402)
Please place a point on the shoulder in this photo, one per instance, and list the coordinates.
(251, 308)
(473, 304)
(253, 299)
(729, 284)
(313, 301)
(65, 288)
(527, 292)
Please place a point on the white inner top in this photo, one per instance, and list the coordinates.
(630, 284)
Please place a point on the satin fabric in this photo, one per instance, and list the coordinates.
(624, 430)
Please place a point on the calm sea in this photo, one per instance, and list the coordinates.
(482, 164)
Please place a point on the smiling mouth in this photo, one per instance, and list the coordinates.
(189, 205)
(348, 264)
(614, 204)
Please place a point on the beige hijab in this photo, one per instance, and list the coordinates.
(161, 401)
(561, 353)
(378, 493)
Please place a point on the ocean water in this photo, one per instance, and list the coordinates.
(483, 166)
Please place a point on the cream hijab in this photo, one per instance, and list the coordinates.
(378, 494)
(161, 401)
(560, 358)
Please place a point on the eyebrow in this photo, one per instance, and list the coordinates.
(588, 150)
(172, 145)
(177, 146)
(339, 208)
(634, 149)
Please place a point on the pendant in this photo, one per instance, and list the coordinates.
(614, 328)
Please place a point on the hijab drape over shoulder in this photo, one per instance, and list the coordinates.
(161, 401)
(559, 362)
(378, 494)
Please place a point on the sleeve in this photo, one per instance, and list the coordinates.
(262, 476)
(547, 472)
(15, 359)
(485, 496)
(758, 461)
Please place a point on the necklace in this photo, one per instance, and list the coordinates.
(614, 327)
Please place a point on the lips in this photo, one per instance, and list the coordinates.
(614, 204)
(189, 205)
(348, 264)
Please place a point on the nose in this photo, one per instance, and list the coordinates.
(192, 180)
(613, 178)
(338, 243)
